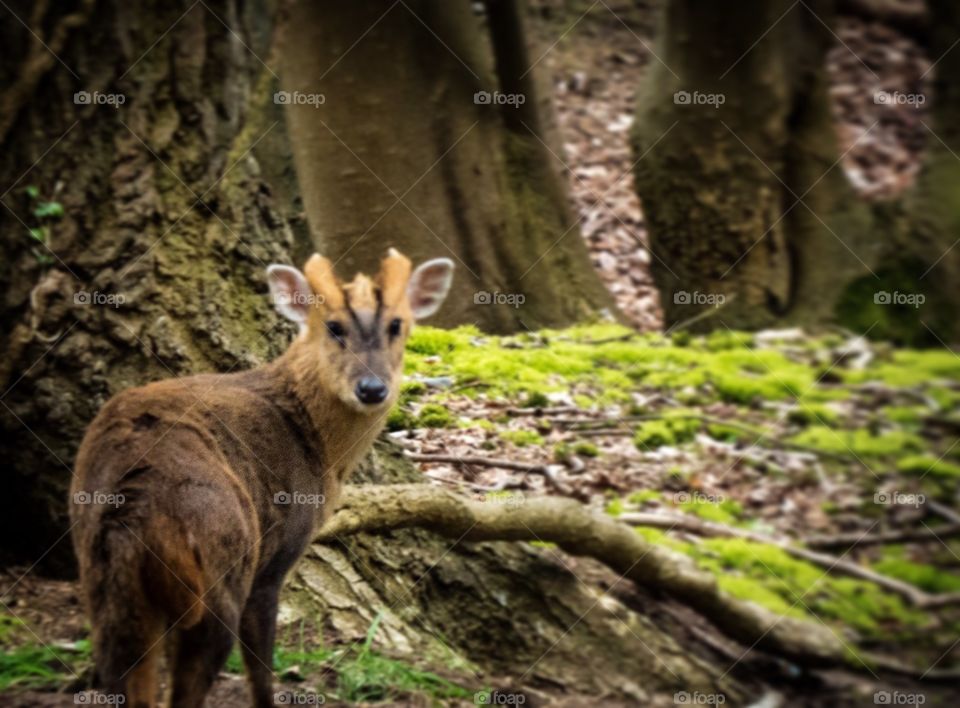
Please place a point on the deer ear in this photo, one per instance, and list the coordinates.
(290, 292)
(428, 286)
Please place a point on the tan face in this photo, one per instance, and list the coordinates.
(358, 330)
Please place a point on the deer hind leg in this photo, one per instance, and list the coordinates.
(257, 632)
(138, 684)
(198, 654)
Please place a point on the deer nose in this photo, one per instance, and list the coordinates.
(371, 390)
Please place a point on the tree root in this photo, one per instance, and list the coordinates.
(845, 540)
(581, 532)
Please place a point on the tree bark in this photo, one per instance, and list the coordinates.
(400, 154)
(173, 203)
(747, 200)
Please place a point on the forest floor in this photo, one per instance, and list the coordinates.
(822, 443)
(734, 449)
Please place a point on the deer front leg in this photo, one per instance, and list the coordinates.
(257, 633)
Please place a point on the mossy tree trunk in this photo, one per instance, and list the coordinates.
(745, 195)
(399, 153)
(173, 201)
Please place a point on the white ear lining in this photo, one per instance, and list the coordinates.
(290, 292)
(429, 285)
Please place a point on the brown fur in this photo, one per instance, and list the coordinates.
(196, 550)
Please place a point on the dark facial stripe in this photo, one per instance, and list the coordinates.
(369, 335)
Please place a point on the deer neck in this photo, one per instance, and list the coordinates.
(344, 432)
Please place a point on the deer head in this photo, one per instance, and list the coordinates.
(352, 334)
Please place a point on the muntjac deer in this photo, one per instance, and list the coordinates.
(214, 483)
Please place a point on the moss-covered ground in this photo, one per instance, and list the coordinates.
(795, 437)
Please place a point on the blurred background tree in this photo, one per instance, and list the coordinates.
(749, 198)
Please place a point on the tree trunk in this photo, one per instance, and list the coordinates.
(399, 153)
(747, 202)
(173, 203)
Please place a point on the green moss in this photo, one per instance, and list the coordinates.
(653, 434)
(769, 576)
(923, 465)
(724, 339)
(522, 438)
(536, 399)
(400, 418)
(861, 443)
(807, 413)
(926, 577)
(756, 591)
(433, 415)
(675, 428)
(430, 341)
(614, 507)
(907, 368)
(905, 415)
(644, 495)
(586, 449)
(730, 433)
(726, 512)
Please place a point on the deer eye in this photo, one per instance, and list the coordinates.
(336, 330)
(394, 328)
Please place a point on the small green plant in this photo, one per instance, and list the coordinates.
(43, 213)
(33, 666)
(370, 677)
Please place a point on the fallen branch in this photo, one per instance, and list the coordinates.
(845, 540)
(694, 525)
(581, 532)
(944, 511)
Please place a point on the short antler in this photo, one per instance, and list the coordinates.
(394, 276)
(319, 273)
